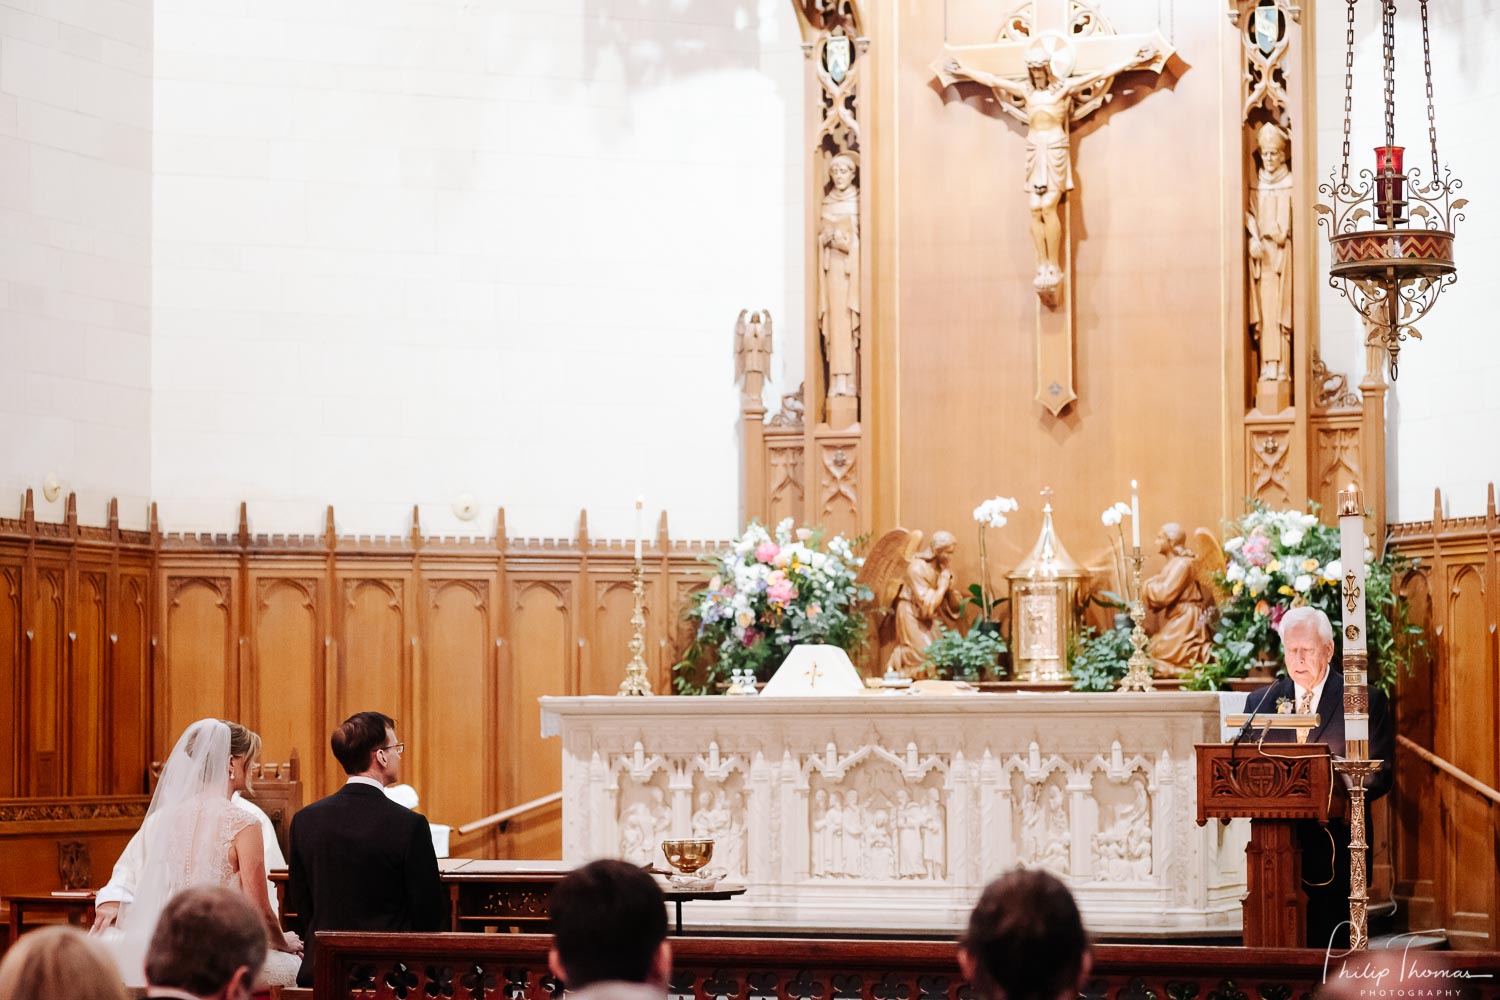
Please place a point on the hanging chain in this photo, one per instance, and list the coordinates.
(1348, 91)
(1388, 52)
(1427, 68)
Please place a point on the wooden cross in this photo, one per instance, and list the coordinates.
(1053, 64)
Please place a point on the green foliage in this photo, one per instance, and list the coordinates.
(983, 612)
(1098, 660)
(954, 656)
(1282, 559)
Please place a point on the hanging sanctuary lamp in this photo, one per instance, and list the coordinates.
(1390, 237)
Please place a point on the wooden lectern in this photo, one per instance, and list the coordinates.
(1275, 785)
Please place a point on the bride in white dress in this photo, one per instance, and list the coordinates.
(194, 836)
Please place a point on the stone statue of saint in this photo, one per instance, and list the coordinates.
(1046, 104)
(1183, 598)
(1269, 225)
(838, 294)
(926, 593)
(752, 352)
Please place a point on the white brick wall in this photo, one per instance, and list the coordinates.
(1446, 403)
(75, 252)
(410, 250)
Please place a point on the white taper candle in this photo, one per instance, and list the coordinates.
(1135, 515)
(640, 505)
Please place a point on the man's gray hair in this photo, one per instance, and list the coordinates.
(1306, 617)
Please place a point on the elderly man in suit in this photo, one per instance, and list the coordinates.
(1310, 685)
(360, 862)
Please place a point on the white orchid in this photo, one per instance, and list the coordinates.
(1234, 544)
(1235, 573)
(992, 512)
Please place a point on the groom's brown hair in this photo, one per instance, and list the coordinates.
(358, 737)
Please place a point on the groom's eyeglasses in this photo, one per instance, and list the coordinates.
(398, 747)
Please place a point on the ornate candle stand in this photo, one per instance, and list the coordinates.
(636, 682)
(1355, 767)
(1138, 673)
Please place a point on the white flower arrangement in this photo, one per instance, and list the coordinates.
(770, 591)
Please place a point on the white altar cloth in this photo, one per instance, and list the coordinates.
(891, 812)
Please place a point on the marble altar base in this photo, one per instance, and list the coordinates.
(889, 813)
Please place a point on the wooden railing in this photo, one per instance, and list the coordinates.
(1458, 774)
(514, 966)
(504, 816)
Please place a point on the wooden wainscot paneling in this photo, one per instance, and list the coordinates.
(75, 612)
(138, 634)
(290, 646)
(459, 682)
(12, 639)
(200, 629)
(1447, 834)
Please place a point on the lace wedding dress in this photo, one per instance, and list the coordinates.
(188, 836)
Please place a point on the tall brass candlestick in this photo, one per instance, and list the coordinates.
(1138, 669)
(1355, 767)
(636, 682)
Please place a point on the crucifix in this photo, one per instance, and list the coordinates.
(1053, 64)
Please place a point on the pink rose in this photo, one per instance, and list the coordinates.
(781, 592)
(766, 551)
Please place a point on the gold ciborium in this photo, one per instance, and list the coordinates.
(687, 856)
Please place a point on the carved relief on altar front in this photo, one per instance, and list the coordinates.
(719, 809)
(873, 823)
(1042, 822)
(1121, 847)
(644, 819)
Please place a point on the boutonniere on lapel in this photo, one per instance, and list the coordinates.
(1283, 706)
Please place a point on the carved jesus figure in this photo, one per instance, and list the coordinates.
(1046, 99)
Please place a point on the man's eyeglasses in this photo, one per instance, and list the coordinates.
(398, 747)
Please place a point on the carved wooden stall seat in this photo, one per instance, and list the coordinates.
(57, 844)
(277, 791)
(470, 966)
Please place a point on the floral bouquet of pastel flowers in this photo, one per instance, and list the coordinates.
(1280, 559)
(770, 591)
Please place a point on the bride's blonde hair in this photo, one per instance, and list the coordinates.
(243, 743)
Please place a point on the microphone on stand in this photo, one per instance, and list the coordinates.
(1265, 696)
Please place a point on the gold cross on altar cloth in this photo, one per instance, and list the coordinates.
(1053, 64)
(811, 675)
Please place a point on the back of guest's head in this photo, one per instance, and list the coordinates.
(609, 920)
(58, 962)
(203, 938)
(358, 737)
(1026, 939)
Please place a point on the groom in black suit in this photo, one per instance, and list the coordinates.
(360, 862)
(1309, 685)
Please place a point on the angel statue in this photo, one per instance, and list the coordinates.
(752, 352)
(1183, 598)
(917, 585)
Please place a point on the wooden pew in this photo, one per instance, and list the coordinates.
(421, 965)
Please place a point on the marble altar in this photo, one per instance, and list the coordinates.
(891, 811)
